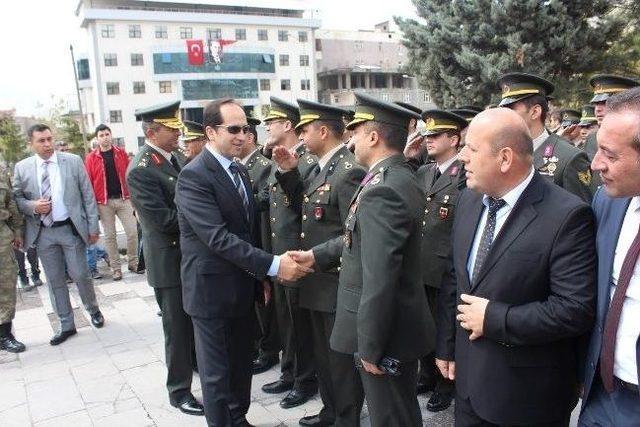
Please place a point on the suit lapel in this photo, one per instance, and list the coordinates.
(444, 180)
(224, 179)
(162, 163)
(468, 228)
(322, 176)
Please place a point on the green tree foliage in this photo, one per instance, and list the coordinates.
(460, 47)
(66, 127)
(13, 145)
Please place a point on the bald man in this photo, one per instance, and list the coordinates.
(521, 289)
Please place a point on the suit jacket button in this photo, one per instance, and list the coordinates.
(302, 235)
(338, 269)
(273, 220)
(304, 217)
(273, 234)
(173, 243)
(306, 199)
(428, 199)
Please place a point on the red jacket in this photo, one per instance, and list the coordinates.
(95, 168)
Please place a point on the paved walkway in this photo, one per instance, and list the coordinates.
(114, 376)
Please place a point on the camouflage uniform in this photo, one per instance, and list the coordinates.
(10, 227)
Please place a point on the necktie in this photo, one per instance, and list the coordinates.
(45, 189)
(235, 171)
(366, 179)
(487, 236)
(175, 163)
(315, 171)
(613, 315)
(437, 175)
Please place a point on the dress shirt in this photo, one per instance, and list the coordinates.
(325, 159)
(511, 198)
(540, 139)
(59, 211)
(225, 163)
(244, 160)
(167, 155)
(444, 166)
(624, 364)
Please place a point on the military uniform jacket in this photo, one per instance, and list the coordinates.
(437, 222)
(324, 202)
(284, 216)
(259, 168)
(382, 308)
(565, 165)
(591, 145)
(152, 180)
(11, 222)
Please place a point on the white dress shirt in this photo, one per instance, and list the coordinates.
(540, 139)
(167, 155)
(444, 166)
(59, 211)
(244, 160)
(325, 159)
(624, 364)
(511, 198)
(225, 163)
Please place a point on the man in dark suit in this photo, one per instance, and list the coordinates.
(221, 267)
(382, 315)
(523, 275)
(151, 178)
(610, 396)
(443, 180)
(553, 157)
(324, 199)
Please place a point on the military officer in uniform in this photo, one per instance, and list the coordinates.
(11, 228)
(443, 180)
(324, 199)
(382, 314)
(193, 139)
(468, 112)
(151, 178)
(298, 374)
(414, 149)
(588, 125)
(553, 157)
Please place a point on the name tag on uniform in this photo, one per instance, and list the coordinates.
(444, 213)
(318, 213)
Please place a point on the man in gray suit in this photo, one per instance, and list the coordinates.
(53, 192)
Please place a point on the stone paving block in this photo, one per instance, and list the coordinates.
(149, 380)
(36, 336)
(7, 358)
(168, 416)
(38, 356)
(133, 358)
(102, 366)
(12, 394)
(106, 389)
(133, 418)
(18, 416)
(76, 419)
(11, 371)
(49, 399)
(259, 416)
(114, 288)
(47, 372)
(30, 318)
(142, 289)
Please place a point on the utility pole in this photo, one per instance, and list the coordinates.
(82, 128)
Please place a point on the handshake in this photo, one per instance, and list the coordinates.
(295, 265)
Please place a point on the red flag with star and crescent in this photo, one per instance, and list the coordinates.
(195, 51)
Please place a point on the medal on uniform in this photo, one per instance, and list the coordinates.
(286, 201)
(548, 151)
(347, 239)
(318, 213)
(454, 171)
(444, 213)
(156, 159)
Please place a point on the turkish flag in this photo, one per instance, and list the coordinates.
(195, 50)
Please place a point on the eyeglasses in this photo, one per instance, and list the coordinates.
(236, 129)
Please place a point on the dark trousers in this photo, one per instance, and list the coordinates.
(294, 327)
(224, 353)
(338, 379)
(268, 338)
(429, 373)
(621, 408)
(32, 256)
(466, 416)
(392, 401)
(178, 342)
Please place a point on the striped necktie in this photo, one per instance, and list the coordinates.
(486, 240)
(45, 190)
(235, 171)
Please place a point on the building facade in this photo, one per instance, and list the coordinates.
(137, 57)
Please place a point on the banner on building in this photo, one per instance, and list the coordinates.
(195, 51)
(216, 49)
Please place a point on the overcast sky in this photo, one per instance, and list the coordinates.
(36, 34)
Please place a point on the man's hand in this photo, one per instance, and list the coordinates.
(447, 368)
(414, 147)
(93, 238)
(471, 316)
(42, 206)
(17, 243)
(270, 143)
(304, 258)
(571, 132)
(371, 368)
(290, 271)
(284, 159)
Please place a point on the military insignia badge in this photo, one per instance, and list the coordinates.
(347, 239)
(156, 159)
(443, 213)
(454, 171)
(505, 89)
(551, 168)
(286, 201)
(375, 180)
(309, 160)
(548, 151)
(318, 213)
(348, 165)
(585, 177)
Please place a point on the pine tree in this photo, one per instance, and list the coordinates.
(463, 46)
(13, 145)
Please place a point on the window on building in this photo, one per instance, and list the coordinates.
(119, 142)
(285, 84)
(141, 141)
(135, 32)
(113, 88)
(214, 33)
(186, 32)
(318, 45)
(83, 69)
(241, 34)
(137, 60)
(108, 31)
(265, 84)
(305, 84)
(284, 60)
(110, 60)
(263, 35)
(165, 86)
(283, 36)
(303, 37)
(344, 81)
(304, 60)
(115, 116)
(162, 32)
(138, 87)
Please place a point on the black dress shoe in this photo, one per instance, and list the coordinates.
(424, 386)
(295, 398)
(97, 319)
(263, 364)
(11, 344)
(277, 387)
(439, 401)
(314, 420)
(62, 336)
(191, 406)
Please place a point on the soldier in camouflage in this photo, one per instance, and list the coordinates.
(10, 236)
